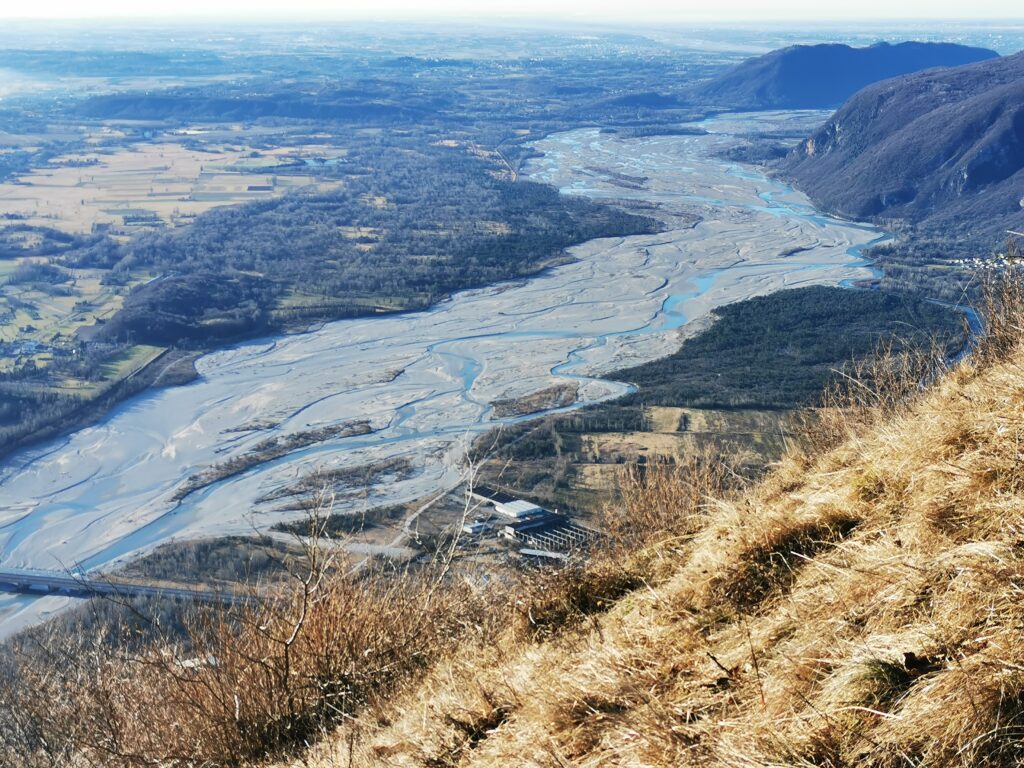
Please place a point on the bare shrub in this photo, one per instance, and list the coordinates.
(666, 499)
(256, 680)
(1001, 307)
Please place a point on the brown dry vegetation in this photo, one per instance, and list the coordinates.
(272, 677)
(240, 684)
(860, 606)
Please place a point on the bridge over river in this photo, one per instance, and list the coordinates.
(37, 582)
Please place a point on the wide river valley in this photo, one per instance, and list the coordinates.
(425, 381)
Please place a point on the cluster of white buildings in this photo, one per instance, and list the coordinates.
(521, 521)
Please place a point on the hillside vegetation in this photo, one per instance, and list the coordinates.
(821, 76)
(860, 606)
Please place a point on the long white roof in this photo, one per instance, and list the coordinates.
(516, 508)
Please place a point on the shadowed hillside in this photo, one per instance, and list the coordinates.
(943, 149)
(822, 76)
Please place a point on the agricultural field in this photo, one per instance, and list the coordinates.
(72, 188)
(40, 322)
(747, 431)
(586, 472)
(155, 184)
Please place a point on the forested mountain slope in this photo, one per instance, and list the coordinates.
(942, 149)
(822, 76)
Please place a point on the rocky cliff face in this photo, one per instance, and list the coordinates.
(823, 76)
(942, 148)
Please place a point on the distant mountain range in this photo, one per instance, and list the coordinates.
(943, 149)
(823, 76)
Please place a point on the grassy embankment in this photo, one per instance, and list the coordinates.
(859, 607)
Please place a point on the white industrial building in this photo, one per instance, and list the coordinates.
(517, 509)
(530, 524)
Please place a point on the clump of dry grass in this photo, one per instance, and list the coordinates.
(869, 390)
(768, 563)
(663, 504)
(560, 599)
(1002, 297)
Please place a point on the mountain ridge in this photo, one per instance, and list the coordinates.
(942, 149)
(825, 75)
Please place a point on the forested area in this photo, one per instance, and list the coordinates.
(20, 240)
(418, 223)
(779, 351)
(427, 198)
(771, 353)
(929, 265)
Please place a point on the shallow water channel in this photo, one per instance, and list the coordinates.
(425, 381)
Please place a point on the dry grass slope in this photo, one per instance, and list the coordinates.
(862, 606)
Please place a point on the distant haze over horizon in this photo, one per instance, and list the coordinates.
(638, 12)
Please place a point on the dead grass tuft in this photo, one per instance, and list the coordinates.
(770, 563)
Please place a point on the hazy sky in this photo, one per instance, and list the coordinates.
(642, 11)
